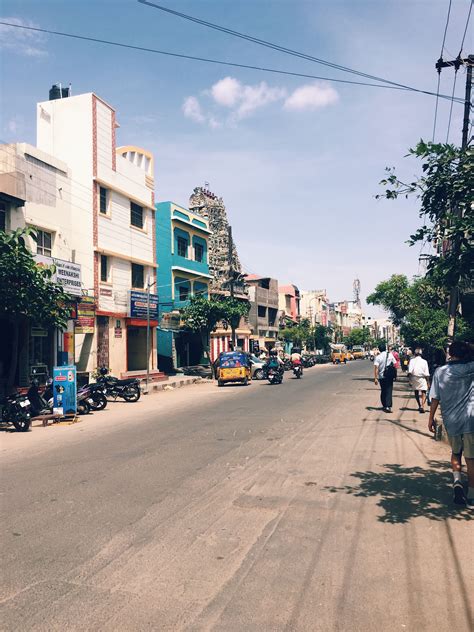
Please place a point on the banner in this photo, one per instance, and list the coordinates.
(85, 315)
(64, 390)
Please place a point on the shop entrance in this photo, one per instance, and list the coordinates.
(188, 349)
(136, 348)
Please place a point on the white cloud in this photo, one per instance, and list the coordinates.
(311, 97)
(21, 41)
(192, 110)
(258, 96)
(226, 91)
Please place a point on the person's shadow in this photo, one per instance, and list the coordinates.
(409, 492)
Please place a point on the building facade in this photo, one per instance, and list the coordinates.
(112, 232)
(263, 315)
(182, 247)
(35, 193)
(314, 306)
(289, 304)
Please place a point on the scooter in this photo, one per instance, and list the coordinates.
(297, 370)
(275, 376)
(16, 411)
(94, 395)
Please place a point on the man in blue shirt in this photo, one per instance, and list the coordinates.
(453, 388)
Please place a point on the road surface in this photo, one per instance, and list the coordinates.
(266, 508)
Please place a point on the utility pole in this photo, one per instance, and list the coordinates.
(231, 278)
(456, 64)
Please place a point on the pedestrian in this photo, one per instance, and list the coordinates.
(396, 356)
(384, 374)
(419, 376)
(452, 387)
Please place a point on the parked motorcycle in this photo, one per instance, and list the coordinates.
(129, 389)
(42, 402)
(275, 376)
(94, 395)
(16, 411)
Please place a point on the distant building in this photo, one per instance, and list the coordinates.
(182, 246)
(289, 304)
(263, 315)
(314, 306)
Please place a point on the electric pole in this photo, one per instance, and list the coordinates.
(456, 64)
(231, 280)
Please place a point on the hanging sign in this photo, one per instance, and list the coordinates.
(64, 390)
(138, 305)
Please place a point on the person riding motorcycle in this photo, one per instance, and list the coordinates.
(296, 358)
(274, 361)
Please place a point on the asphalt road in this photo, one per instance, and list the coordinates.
(292, 507)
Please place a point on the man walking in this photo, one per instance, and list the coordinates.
(419, 375)
(452, 386)
(384, 374)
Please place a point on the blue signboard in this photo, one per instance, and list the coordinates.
(64, 390)
(138, 305)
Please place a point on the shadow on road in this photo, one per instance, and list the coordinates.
(405, 493)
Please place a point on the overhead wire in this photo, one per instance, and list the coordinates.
(465, 28)
(439, 70)
(289, 73)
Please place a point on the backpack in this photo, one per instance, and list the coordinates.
(273, 363)
(390, 372)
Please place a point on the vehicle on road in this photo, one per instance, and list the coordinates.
(128, 389)
(15, 410)
(358, 352)
(275, 376)
(297, 370)
(257, 367)
(339, 355)
(234, 366)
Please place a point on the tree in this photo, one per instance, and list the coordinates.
(418, 307)
(234, 311)
(445, 192)
(357, 336)
(201, 315)
(27, 292)
(322, 337)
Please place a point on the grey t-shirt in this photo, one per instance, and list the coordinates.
(453, 386)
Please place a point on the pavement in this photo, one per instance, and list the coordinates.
(260, 508)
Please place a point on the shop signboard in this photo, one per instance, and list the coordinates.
(170, 321)
(138, 305)
(64, 390)
(67, 274)
(85, 315)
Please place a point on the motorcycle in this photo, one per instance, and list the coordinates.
(94, 396)
(42, 402)
(129, 389)
(297, 371)
(16, 411)
(275, 376)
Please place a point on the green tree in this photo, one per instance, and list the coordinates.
(445, 194)
(357, 336)
(322, 337)
(202, 315)
(234, 311)
(27, 292)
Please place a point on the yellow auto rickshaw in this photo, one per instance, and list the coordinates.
(339, 355)
(233, 366)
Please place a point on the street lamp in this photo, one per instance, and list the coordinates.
(148, 286)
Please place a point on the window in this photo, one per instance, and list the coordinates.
(199, 252)
(182, 247)
(183, 292)
(262, 311)
(103, 199)
(44, 243)
(3, 217)
(136, 215)
(138, 275)
(104, 268)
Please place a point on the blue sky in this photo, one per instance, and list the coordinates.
(297, 161)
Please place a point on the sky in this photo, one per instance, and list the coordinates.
(296, 160)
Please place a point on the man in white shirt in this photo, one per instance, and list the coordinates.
(419, 375)
(383, 360)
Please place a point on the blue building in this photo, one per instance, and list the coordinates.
(183, 271)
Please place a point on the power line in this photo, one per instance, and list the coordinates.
(451, 106)
(222, 63)
(465, 29)
(273, 46)
(439, 70)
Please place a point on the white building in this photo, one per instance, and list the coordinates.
(35, 192)
(314, 306)
(112, 231)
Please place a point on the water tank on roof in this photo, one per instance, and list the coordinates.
(58, 92)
